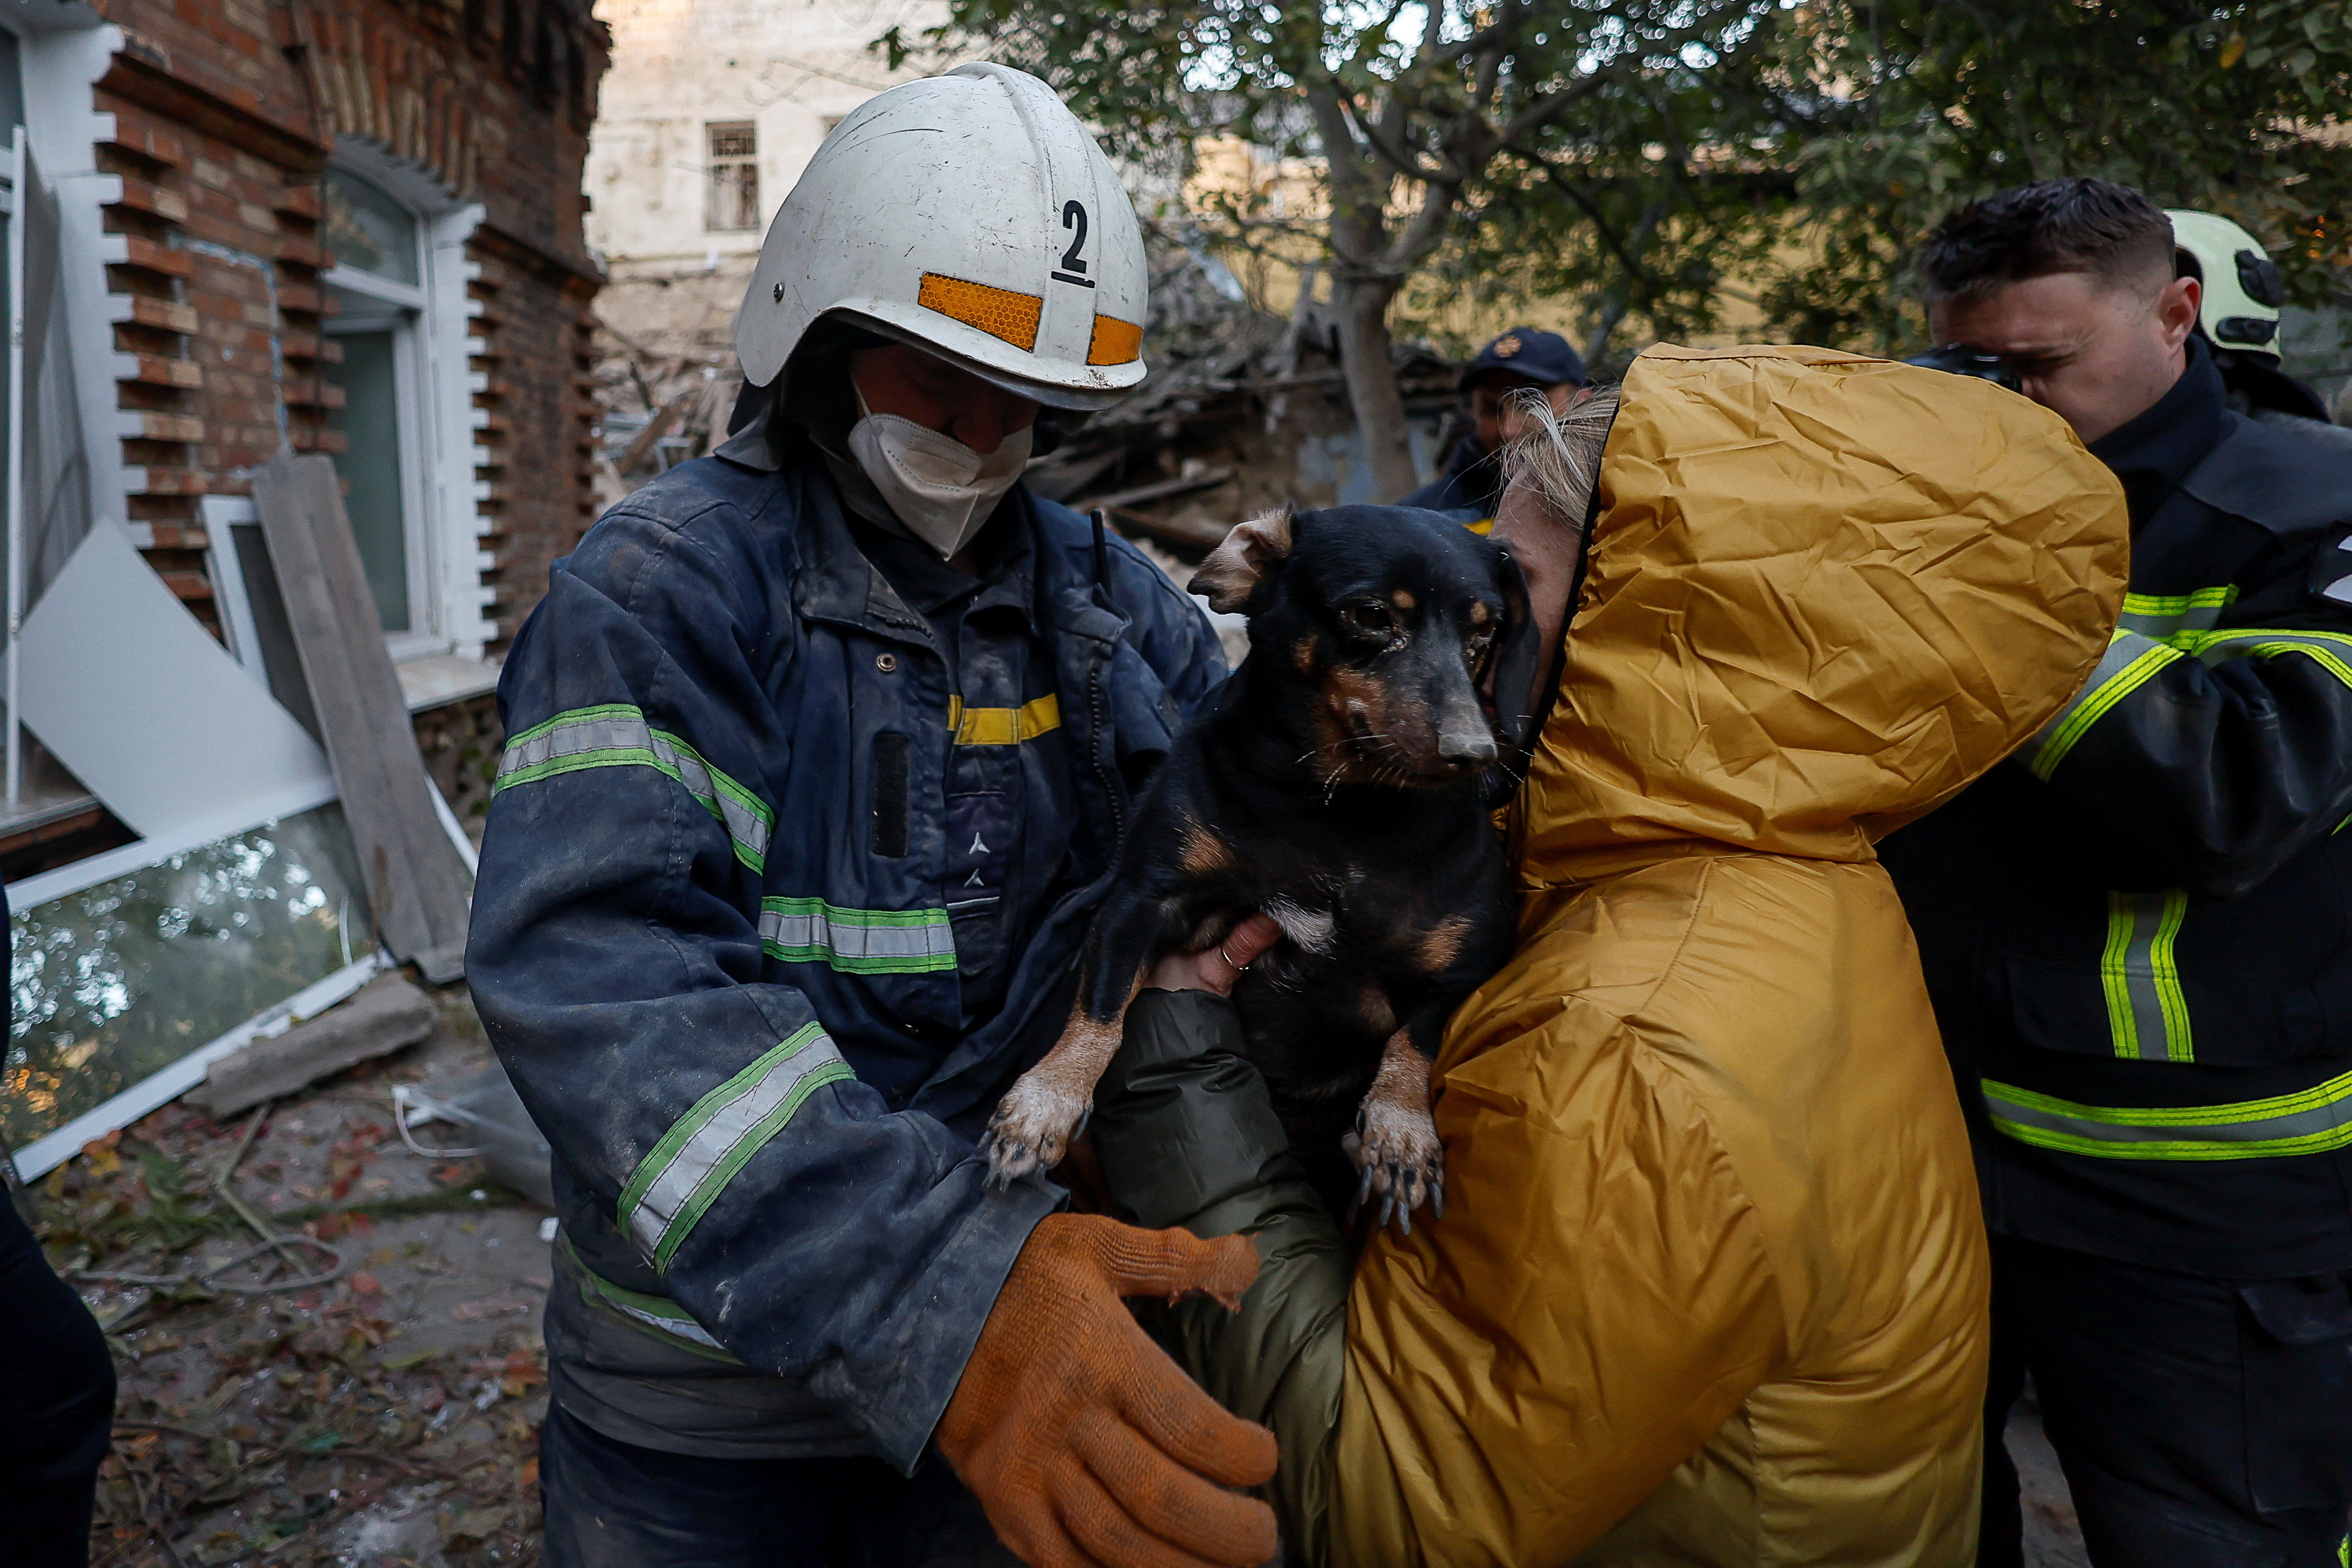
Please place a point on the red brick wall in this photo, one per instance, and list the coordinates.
(226, 113)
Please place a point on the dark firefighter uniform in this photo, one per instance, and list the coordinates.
(792, 850)
(2138, 936)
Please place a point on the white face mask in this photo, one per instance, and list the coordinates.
(940, 488)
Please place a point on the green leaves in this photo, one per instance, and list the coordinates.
(2199, 106)
(1673, 167)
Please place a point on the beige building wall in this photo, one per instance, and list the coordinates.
(789, 69)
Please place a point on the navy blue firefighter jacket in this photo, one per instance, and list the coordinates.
(710, 938)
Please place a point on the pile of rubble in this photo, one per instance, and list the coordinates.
(365, 1396)
(1241, 409)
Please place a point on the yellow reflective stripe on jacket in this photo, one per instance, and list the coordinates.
(2313, 1121)
(676, 1184)
(2331, 650)
(2167, 617)
(1003, 726)
(2147, 1015)
(616, 735)
(858, 942)
(2130, 659)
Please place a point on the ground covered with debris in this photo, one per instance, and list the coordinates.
(367, 1398)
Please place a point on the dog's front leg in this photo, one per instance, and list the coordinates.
(1396, 1145)
(1048, 1105)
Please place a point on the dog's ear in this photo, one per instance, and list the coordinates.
(1515, 694)
(1250, 552)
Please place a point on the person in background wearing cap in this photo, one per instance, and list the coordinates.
(1524, 357)
(819, 752)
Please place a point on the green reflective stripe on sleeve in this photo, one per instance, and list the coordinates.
(2166, 617)
(2331, 650)
(617, 736)
(2130, 661)
(2148, 1014)
(858, 942)
(2313, 1121)
(660, 1316)
(679, 1182)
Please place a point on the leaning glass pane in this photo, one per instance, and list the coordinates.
(118, 981)
(367, 229)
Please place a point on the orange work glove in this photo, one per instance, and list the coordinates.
(1085, 1442)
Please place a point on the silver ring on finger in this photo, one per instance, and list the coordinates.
(1236, 968)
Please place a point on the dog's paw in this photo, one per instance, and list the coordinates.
(1396, 1147)
(1031, 1129)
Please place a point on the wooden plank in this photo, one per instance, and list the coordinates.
(386, 1014)
(416, 881)
(655, 430)
(1190, 535)
(1163, 489)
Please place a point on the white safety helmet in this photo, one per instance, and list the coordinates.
(2242, 290)
(970, 214)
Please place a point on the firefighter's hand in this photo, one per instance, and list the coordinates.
(1085, 1442)
(1216, 967)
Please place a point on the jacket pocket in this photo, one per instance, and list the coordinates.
(2297, 1352)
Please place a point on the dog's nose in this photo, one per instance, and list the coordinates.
(1467, 748)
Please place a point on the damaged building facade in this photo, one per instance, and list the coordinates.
(240, 229)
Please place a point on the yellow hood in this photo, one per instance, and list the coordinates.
(1710, 1286)
(1824, 593)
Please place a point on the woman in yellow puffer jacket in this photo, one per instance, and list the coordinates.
(1710, 1283)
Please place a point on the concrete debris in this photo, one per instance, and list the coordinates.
(385, 1015)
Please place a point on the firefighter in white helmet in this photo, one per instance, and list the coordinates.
(2237, 315)
(819, 752)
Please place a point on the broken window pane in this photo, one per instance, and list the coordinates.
(118, 981)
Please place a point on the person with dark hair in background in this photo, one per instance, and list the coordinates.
(57, 1390)
(1522, 359)
(2137, 932)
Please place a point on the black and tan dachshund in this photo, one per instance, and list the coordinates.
(1340, 781)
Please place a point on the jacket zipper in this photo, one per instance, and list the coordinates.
(1102, 769)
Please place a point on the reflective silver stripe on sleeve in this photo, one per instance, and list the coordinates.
(745, 820)
(658, 1316)
(2127, 664)
(687, 1170)
(2331, 650)
(2170, 617)
(617, 736)
(858, 942)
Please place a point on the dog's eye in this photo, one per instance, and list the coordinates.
(1372, 619)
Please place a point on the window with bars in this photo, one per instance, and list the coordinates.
(734, 191)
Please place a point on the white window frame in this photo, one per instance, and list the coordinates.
(420, 539)
(434, 401)
(713, 163)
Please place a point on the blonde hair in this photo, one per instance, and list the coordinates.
(1559, 454)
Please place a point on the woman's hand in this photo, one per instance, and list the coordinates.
(1216, 967)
